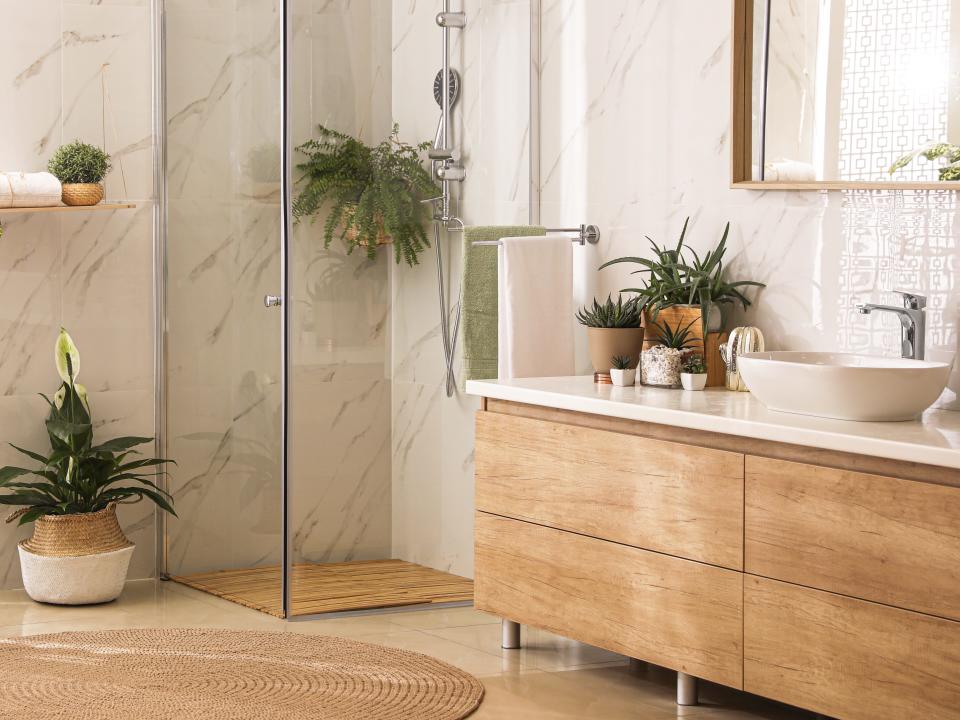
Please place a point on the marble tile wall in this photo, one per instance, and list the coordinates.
(636, 135)
(432, 446)
(224, 346)
(91, 273)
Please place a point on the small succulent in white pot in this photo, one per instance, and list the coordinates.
(621, 373)
(660, 365)
(693, 374)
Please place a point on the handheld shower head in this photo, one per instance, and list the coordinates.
(453, 87)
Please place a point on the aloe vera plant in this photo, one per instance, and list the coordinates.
(680, 276)
(611, 314)
(677, 337)
(621, 362)
(76, 476)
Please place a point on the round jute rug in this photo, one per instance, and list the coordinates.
(200, 674)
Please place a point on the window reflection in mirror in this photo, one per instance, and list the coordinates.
(856, 90)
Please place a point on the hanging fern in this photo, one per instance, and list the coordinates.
(369, 190)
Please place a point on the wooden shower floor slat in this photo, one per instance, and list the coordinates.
(334, 587)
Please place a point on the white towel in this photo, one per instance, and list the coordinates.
(789, 171)
(39, 189)
(6, 194)
(535, 307)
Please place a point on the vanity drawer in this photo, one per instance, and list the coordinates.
(677, 499)
(676, 613)
(848, 658)
(873, 537)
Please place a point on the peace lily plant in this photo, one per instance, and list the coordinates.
(78, 553)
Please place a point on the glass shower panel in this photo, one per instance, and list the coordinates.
(339, 429)
(223, 358)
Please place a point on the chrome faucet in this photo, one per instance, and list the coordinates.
(912, 319)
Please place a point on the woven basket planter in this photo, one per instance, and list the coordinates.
(382, 237)
(82, 194)
(76, 559)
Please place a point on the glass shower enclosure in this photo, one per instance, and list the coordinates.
(275, 355)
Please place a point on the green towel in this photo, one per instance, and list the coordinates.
(478, 300)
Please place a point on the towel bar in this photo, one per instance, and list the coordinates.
(585, 234)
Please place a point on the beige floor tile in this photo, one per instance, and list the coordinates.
(443, 618)
(540, 649)
(550, 678)
(555, 696)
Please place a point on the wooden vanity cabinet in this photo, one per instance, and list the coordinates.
(878, 538)
(673, 612)
(661, 496)
(823, 580)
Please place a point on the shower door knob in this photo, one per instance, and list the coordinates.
(272, 301)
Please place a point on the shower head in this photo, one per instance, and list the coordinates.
(453, 87)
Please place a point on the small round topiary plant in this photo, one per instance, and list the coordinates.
(79, 163)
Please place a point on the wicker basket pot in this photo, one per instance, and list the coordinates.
(82, 193)
(76, 559)
(382, 237)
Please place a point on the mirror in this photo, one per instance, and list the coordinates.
(846, 93)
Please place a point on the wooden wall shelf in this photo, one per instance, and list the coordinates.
(68, 208)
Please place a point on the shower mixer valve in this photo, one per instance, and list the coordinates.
(451, 170)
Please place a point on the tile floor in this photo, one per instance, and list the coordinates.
(551, 678)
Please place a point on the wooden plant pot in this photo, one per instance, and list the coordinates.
(76, 559)
(82, 194)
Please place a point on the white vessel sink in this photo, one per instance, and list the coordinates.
(843, 386)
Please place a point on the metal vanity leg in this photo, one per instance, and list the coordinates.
(509, 634)
(686, 689)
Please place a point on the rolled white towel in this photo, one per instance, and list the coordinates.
(6, 194)
(39, 189)
(789, 171)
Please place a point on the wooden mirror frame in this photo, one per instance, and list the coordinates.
(741, 123)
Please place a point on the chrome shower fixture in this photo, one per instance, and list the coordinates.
(447, 168)
(453, 87)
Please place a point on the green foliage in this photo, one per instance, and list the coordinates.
(694, 365)
(611, 314)
(679, 276)
(678, 337)
(369, 189)
(621, 362)
(934, 151)
(76, 476)
(78, 162)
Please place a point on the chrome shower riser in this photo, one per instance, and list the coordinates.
(447, 168)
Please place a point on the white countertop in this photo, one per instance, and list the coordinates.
(933, 440)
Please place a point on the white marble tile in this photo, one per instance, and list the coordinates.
(107, 296)
(30, 83)
(433, 434)
(107, 90)
(635, 110)
(30, 287)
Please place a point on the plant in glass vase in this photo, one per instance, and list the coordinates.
(660, 365)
